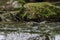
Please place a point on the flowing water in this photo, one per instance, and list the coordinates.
(30, 31)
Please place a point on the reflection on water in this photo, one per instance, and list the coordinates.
(30, 31)
(57, 37)
(18, 36)
(2, 37)
(24, 36)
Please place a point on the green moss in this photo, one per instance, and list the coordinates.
(39, 10)
(34, 11)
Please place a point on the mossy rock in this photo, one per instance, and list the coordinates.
(39, 10)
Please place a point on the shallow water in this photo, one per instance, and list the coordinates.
(30, 31)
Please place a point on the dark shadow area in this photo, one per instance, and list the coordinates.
(34, 0)
(38, 0)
